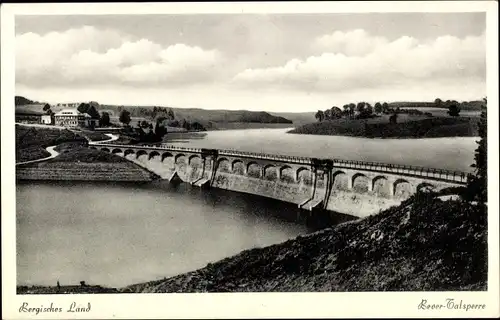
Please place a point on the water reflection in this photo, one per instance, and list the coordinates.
(116, 234)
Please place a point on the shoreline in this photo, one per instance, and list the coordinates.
(383, 138)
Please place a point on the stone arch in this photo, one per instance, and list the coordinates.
(286, 174)
(140, 153)
(238, 167)
(402, 188)
(234, 163)
(193, 157)
(299, 170)
(270, 172)
(360, 182)
(426, 185)
(128, 151)
(178, 156)
(166, 155)
(115, 151)
(340, 180)
(381, 186)
(153, 154)
(253, 169)
(223, 165)
(304, 175)
(105, 149)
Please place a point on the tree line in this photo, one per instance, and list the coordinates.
(363, 110)
(145, 131)
(352, 110)
(477, 183)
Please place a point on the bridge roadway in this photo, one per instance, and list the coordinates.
(456, 177)
(309, 182)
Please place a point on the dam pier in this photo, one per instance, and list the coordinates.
(356, 188)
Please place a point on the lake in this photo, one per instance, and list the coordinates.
(455, 153)
(116, 234)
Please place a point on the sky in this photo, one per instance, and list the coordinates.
(273, 62)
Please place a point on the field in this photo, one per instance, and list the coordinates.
(93, 135)
(443, 112)
(474, 105)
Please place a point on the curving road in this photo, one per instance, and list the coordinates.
(112, 137)
(53, 154)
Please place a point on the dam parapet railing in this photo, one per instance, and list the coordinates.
(459, 177)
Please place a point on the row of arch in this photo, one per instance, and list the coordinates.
(252, 168)
(340, 179)
(379, 184)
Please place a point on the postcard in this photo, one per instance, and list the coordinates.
(250, 160)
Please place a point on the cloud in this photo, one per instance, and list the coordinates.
(351, 43)
(354, 59)
(91, 56)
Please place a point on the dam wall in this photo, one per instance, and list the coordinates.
(350, 187)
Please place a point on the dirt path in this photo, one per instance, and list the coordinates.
(53, 154)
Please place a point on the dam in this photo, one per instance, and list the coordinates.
(356, 188)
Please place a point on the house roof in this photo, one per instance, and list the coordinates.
(68, 112)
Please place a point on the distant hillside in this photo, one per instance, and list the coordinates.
(20, 101)
(208, 118)
(298, 118)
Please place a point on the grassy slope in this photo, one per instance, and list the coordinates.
(78, 163)
(75, 162)
(474, 105)
(422, 245)
(93, 135)
(31, 142)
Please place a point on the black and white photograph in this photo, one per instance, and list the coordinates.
(197, 153)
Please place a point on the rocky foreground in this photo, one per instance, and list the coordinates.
(425, 244)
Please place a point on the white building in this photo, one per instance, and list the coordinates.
(71, 118)
(46, 119)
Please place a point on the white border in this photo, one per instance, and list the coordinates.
(240, 305)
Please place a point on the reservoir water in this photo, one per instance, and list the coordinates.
(441, 153)
(116, 234)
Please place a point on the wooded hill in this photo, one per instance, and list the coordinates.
(208, 118)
